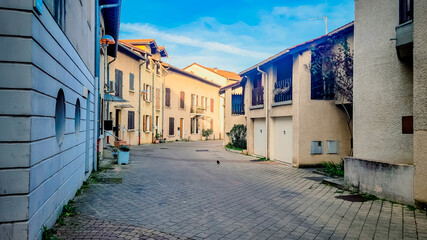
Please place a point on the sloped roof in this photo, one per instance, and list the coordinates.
(301, 46)
(151, 42)
(227, 74)
(194, 76)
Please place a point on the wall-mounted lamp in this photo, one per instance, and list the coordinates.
(107, 40)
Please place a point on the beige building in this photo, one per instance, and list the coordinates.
(136, 75)
(390, 101)
(291, 116)
(220, 77)
(191, 104)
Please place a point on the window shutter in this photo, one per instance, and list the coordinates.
(158, 98)
(131, 81)
(171, 126)
(197, 100)
(212, 104)
(181, 102)
(168, 97)
(212, 127)
(144, 88)
(117, 89)
(131, 120)
(144, 123)
(151, 123)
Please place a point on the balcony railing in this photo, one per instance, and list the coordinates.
(283, 90)
(258, 96)
(197, 109)
(237, 104)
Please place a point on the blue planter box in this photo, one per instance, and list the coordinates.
(123, 158)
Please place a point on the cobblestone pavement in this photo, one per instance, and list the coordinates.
(178, 190)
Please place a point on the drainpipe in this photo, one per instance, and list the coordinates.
(163, 99)
(153, 89)
(139, 106)
(266, 97)
(108, 85)
(97, 57)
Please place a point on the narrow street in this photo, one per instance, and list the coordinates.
(177, 190)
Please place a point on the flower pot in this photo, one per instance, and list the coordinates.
(123, 157)
(157, 140)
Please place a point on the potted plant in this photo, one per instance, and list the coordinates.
(123, 157)
(157, 138)
(114, 152)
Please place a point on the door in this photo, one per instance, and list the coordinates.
(260, 139)
(117, 127)
(181, 127)
(282, 135)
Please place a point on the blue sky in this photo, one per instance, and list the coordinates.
(233, 34)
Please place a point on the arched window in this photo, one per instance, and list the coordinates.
(60, 117)
(77, 118)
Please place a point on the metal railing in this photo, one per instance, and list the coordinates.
(258, 96)
(237, 104)
(283, 90)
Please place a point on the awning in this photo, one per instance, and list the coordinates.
(123, 106)
(112, 23)
(112, 98)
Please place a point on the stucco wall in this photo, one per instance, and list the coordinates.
(382, 86)
(420, 102)
(128, 65)
(38, 175)
(178, 82)
(229, 119)
(206, 74)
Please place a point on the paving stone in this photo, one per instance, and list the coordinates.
(178, 193)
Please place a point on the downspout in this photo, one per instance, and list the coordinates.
(266, 97)
(153, 90)
(97, 94)
(139, 106)
(108, 85)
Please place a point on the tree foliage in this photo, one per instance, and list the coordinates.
(237, 136)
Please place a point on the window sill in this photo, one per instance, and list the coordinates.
(256, 107)
(131, 130)
(284, 103)
(182, 109)
(158, 109)
(148, 70)
(147, 101)
(132, 91)
(147, 131)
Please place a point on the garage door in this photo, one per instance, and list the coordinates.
(282, 144)
(260, 140)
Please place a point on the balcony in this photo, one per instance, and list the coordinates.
(237, 104)
(198, 110)
(283, 90)
(258, 96)
(404, 39)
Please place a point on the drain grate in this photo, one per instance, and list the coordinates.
(353, 198)
(164, 148)
(202, 150)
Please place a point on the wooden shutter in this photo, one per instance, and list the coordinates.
(151, 123)
(131, 82)
(120, 80)
(168, 97)
(212, 104)
(171, 126)
(181, 102)
(131, 120)
(158, 98)
(116, 88)
(212, 127)
(144, 123)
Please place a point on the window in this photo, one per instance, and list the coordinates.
(147, 96)
(182, 100)
(212, 125)
(193, 126)
(283, 85)
(147, 65)
(131, 120)
(60, 117)
(146, 123)
(57, 9)
(158, 98)
(77, 118)
(406, 11)
(168, 97)
(332, 147)
(158, 69)
(212, 104)
(322, 87)
(131, 82)
(119, 83)
(171, 126)
(157, 122)
(316, 147)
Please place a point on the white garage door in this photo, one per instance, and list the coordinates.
(260, 140)
(282, 144)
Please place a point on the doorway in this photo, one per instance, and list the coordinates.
(117, 127)
(181, 127)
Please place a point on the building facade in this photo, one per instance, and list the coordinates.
(48, 70)
(192, 104)
(291, 115)
(390, 104)
(137, 75)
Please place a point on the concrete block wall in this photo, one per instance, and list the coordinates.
(38, 175)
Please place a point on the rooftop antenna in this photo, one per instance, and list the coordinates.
(324, 18)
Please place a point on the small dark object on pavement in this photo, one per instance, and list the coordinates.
(217, 162)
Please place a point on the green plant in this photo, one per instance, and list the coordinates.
(206, 133)
(229, 146)
(237, 136)
(48, 234)
(157, 136)
(263, 159)
(124, 148)
(68, 210)
(333, 169)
